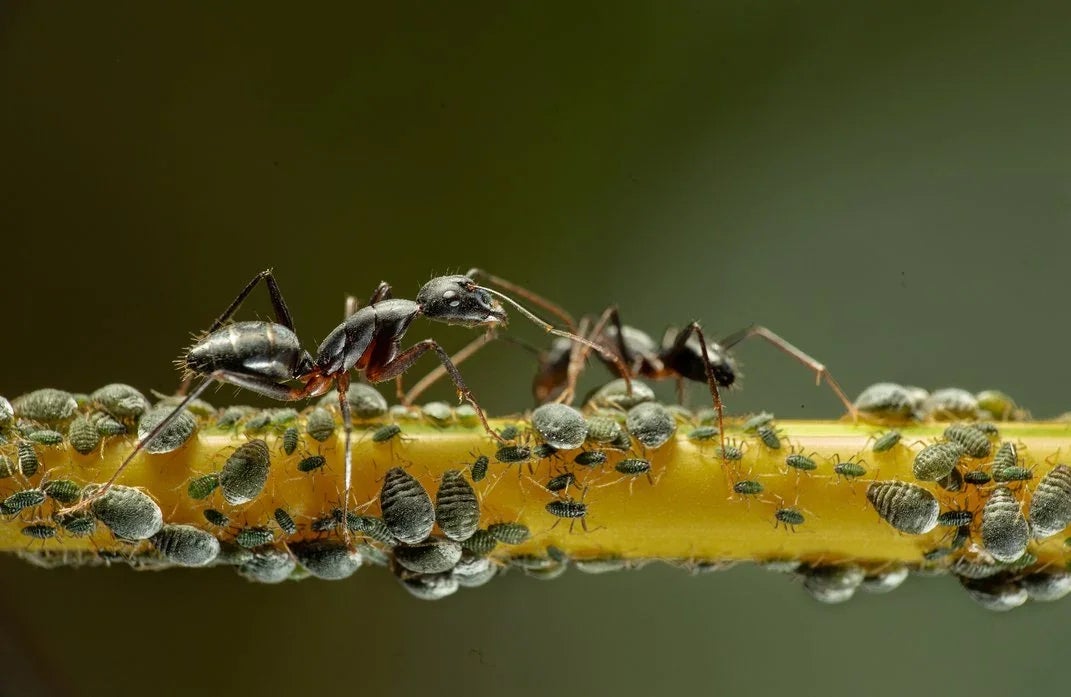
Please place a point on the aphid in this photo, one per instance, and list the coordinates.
(799, 461)
(121, 401)
(46, 405)
(997, 594)
(203, 486)
(603, 429)
(769, 437)
(83, 435)
(1012, 474)
(1005, 532)
(457, 509)
(480, 544)
(703, 433)
(907, 507)
(936, 461)
(365, 401)
(63, 490)
(650, 424)
(28, 462)
(1047, 586)
(602, 565)
(886, 441)
(438, 413)
(76, 524)
(510, 533)
(950, 403)
(977, 477)
(406, 507)
(987, 428)
(254, 537)
(760, 419)
(259, 422)
(748, 487)
(215, 517)
(168, 432)
(186, 545)
(46, 437)
(285, 522)
(129, 513)
(372, 527)
(330, 560)
(952, 482)
(1006, 456)
(320, 425)
(433, 556)
(265, 356)
(325, 523)
(569, 509)
(561, 482)
(7, 413)
(560, 426)
(962, 537)
(615, 394)
(888, 400)
(886, 580)
(266, 565)
(955, 518)
(311, 463)
(832, 583)
(385, 433)
(999, 406)
(849, 469)
(21, 500)
(544, 451)
(283, 417)
(39, 531)
(790, 517)
(590, 458)
(231, 416)
(731, 451)
(975, 443)
(478, 469)
(1050, 506)
(245, 472)
(510, 454)
(622, 442)
(428, 586)
(967, 567)
(106, 425)
(466, 415)
(291, 439)
(509, 432)
(7, 469)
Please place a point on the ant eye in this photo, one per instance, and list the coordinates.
(451, 297)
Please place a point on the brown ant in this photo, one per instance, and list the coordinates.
(264, 356)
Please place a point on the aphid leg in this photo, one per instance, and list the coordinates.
(402, 362)
(819, 369)
(458, 358)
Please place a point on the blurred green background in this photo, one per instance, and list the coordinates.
(885, 184)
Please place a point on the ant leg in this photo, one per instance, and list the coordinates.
(404, 360)
(535, 299)
(342, 384)
(577, 357)
(682, 339)
(382, 292)
(435, 375)
(282, 312)
(352, 305)
(819, 369)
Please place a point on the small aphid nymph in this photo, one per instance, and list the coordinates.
(386, 433)
(311, 463)
(203, 486)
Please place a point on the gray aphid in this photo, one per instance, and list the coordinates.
(936, 461)
(1050, 506)
(907, 507)
(650, 424)
(406, 507)
(364, 400)
(171, 438)
(83, 435)
(129, 513)
(433, 556)
(320, 425)
(886, 580)
(832, 583)
(7, 413)
(950, 403)
(267, 565)
(615, 394)
(974, 442)
(1047, 586)
(186, 545)
(46, 405)
(330, 560)
(560, 425)
(456, 507)
(886, 399)
(121, 401)
(439, 413)
(1005, 532)
(995, 594)
(429, 586)
(245, 473)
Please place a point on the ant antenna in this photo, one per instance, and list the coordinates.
(551, 329)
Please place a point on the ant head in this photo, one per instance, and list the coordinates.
(458, 300)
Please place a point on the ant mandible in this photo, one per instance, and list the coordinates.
(263, 356)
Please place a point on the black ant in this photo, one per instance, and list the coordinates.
(264, 356)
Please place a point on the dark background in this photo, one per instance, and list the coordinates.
(887, 186)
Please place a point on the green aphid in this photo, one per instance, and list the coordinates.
(203, 486)
(215, 517)
(254, 537)
(21, 500)
(63, 490)
(769, 437)
(370, 526)
(789, 517)
(510, 533)
(259, 422)
(731, 452)
(107, 425)
(849, 469)
(977, 477)
(291, 438)
(799, 461)
(1012, 474)
(231, 416)
(385, 433)
(703, 433)
(887, 441)
(77, 524)
(312, 463)
(46, 437)
(755, 422)
(320, 425)
(40, 531)
(748, 487)
(509, 432)
(28, 462)
(283, 417)
(83, 434)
